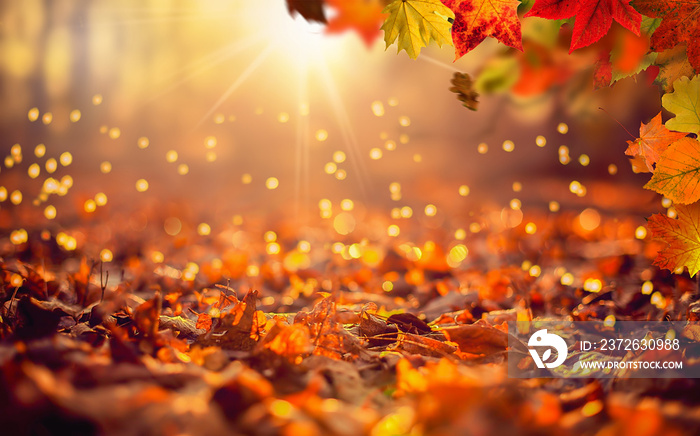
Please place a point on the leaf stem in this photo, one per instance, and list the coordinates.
(625, 128)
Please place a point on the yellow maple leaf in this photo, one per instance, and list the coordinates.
(684, 101)
(682, 237)
(417, 22)
(677, 174)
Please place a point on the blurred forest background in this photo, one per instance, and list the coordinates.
(264, 84)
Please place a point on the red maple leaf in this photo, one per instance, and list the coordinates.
(680, 23)
(602, 72)
(593, 17)
(477, 19)
(363, 16)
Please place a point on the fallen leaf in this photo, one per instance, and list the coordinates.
(237, 329)
(654, 139)
(244, 390)
(54, 305)
(312, 10)
(691, 332)
(415, 23)
(362, 16)
(147, 316)
(684, 101)
(204, 321)
(423, 345)
(677, 174)
(477, 19)
(409, 323)
(33, 319)
(682, 238)
(329, 336)
(371, 325)
(290, 341)
(593, 17)
(182, 326)
(463, 86)
(477, 338)
(679, 24)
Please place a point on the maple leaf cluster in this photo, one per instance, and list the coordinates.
(673, 158)
(418, 22)
(657, 38)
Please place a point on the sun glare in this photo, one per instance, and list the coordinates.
(302, 41)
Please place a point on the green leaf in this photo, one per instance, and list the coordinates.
(645, 63)
(649, 25)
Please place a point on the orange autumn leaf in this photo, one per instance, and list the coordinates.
(237, 329)
(639, 165)
(423, 345)
(682, 238)
(477, 338)
(654, 139)
(677, 174)
(477, 19)
(288, 340)
(408, 378)
(204, 321)
(363, 16)
(146, 316)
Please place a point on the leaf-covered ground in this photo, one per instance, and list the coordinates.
(252, 332)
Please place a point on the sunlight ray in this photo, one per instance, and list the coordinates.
(143, 9)
(239, 81)
(155, 20)
(346, 130)
(301, 175)
(205, 63)
(434, 61)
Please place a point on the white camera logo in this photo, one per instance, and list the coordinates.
(543, 339)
